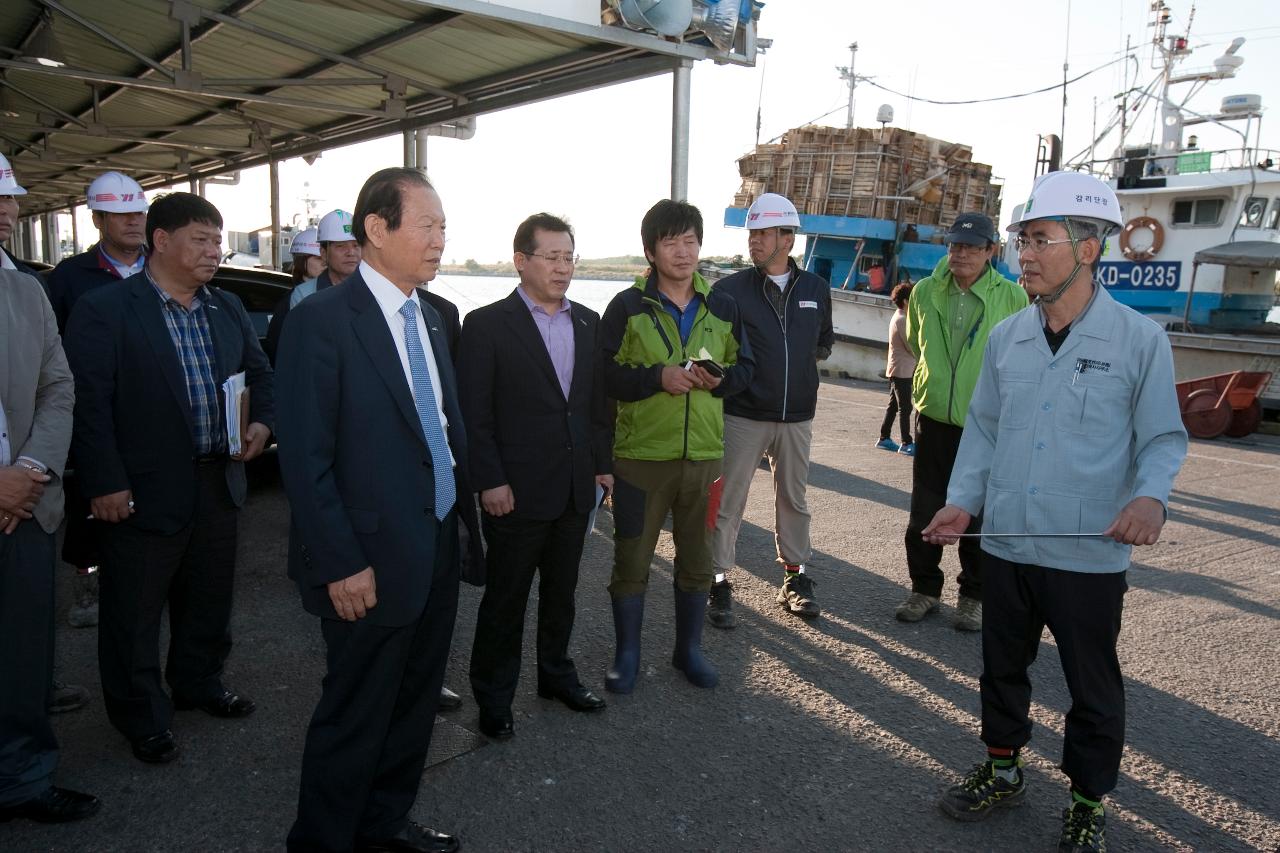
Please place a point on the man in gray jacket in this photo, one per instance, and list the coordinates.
(36, 399)
(1070, 448)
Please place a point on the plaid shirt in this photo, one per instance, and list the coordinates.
(189, 331)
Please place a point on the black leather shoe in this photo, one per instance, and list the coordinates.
(449, 701)
(157, 749)
(578, 698)
(414, 837)
(55, 805)
(497, 726)
(227, 706)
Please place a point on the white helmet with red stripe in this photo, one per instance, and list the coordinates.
(771, 210)
(112, 192)
(8, 181)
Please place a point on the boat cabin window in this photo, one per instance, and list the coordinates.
(1273, 215)
(1198, 211)
(1252, 213)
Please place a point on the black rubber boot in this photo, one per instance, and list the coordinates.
(691, 608)
(628, 615)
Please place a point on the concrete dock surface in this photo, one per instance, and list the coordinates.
(831, 735)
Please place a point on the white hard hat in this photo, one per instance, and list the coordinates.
(771, 210)
(113, 192)
(1074, 194)
(335, 227)
(8, 182)
(305, 242)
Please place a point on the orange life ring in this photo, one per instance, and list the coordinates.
(1157, 238)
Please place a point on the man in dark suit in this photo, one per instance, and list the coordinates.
(155, 459)
(373, 453)
(533, 398)
(36, 397)
(119, 208)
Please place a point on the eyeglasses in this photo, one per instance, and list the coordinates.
(1036, 244)
(965, 248)
(571, 260)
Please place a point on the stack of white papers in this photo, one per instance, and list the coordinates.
(234, 399)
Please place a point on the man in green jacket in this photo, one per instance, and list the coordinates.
(950, 315)
(669, 436)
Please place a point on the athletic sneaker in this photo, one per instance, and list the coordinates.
(968, 614)
(982, 791)
(916, 607)
(720, 606)
(908, 449)
(797, 595)
(1084, 829)
(887, 444)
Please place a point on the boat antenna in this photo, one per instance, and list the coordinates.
(1066, 54)
(760, 100)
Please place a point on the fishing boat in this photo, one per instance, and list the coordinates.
(1180, 258)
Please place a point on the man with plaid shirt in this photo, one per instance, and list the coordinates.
(150, 357)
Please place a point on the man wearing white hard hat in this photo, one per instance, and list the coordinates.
(1071, 446)
(339, 251)
(949, 316)
(119, 208)
(786, 313)
(10, 189)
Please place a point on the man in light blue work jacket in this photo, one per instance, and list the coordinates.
(1074, 428)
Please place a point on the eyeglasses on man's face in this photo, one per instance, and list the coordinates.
(557, 258)
(965, 249)
(1036, 244)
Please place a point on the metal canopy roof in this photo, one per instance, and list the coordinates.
(1255, 254)
(175, 90)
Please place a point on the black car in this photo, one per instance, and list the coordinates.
(259, 290)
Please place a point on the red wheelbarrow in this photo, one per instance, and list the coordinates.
(1227, 403)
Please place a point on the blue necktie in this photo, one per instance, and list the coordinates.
(424, 398)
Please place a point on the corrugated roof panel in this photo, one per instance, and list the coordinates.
(436, 48)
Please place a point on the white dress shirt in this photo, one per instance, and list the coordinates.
(391, 299)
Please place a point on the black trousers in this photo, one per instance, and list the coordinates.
(28, 748)
(192, 571)
(367, 743)
(82, 536)
(936, 446)
(1082, 610)
(899, 406)
(517, 548)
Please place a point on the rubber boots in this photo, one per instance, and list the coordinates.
(628, 615)
(691, 607)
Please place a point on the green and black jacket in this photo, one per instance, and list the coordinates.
(638, 339)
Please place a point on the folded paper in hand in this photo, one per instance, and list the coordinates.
(707, 363)
(235, 403)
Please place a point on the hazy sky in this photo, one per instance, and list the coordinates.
(602, 158)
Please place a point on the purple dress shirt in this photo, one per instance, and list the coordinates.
(557, 333)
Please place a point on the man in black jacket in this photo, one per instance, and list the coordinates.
(532, 390)
(150, 356)
(787, 316)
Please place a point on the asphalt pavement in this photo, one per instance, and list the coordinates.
(831, 735)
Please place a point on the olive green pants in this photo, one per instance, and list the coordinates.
(644, 492)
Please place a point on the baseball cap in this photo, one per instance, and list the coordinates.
(971, 228)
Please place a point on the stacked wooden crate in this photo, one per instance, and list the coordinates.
(887, 174)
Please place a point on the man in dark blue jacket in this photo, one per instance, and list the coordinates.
(119, 208)
(786, 313)
(162, 472)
